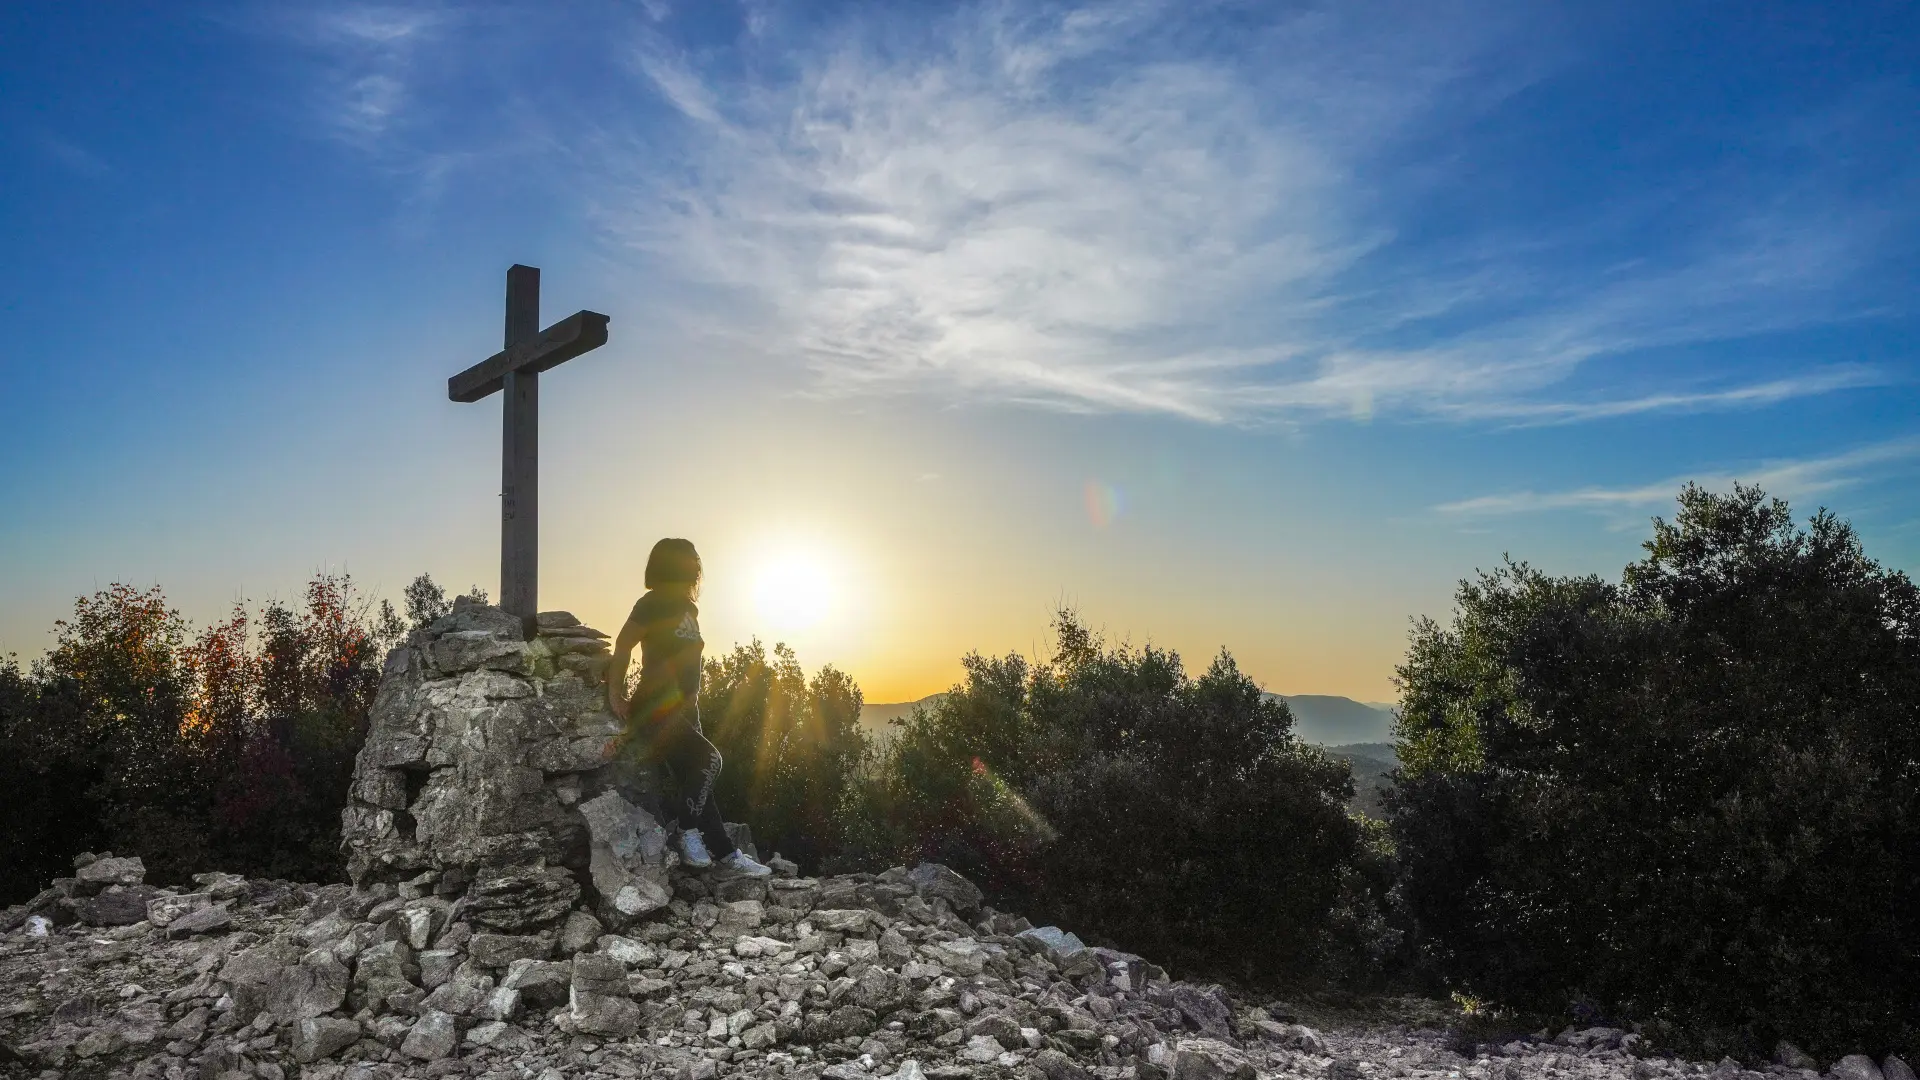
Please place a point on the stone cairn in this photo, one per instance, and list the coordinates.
(483, 782)
(516, 914)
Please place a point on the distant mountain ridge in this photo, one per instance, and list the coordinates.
(1330, 720)
(1357, 732)
(1323, 719)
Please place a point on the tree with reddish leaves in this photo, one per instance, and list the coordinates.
(229, 748)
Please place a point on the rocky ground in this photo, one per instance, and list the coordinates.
(904, 974)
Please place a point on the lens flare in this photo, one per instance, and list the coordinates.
(1104, 503)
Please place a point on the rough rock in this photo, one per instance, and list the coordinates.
(1896, 1068)
(206, 920)
(539, 982)
(253, 974)
(1856, 1067)
(1206, 1009)
(502, 950)
(723, 981)
(627, 858)
(1210, 1059)
(481, 747)
(165, 909)
(319, 1037)
(579, 932)
(116, 905)
(100, 873)
(983, 1049)
(463, 993)
(317, 985)
(520, 899)
(598, 1003)
(931, 880)
(432, 1037)
(1053, 939)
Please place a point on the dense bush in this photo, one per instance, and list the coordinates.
(1688, 798)
(229, 748)
(1112, 792)
(791, 746)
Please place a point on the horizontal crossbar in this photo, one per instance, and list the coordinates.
(582, 331)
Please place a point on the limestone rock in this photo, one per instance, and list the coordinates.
(519, 899)
(503, 950)
(432, 1037)
(480, 746)
(597, 1002)
(932, 880)
(1210, 1059)
(252, 976)
(461, 994)
(1053, 939)
(206, 920)
(579, 932)
(1856, 1067)
(539, 982)
(628, 951)
(162, 910)
(318, 1037)
(317, 985)
(1206, 1009)
(1058, 1066)
(100, 873)
(725, 978)
(983, 1049)
(116, 905)
(627, 858)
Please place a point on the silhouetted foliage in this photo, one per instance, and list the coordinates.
(791, 746)
(232, 748)
(1689, 798)
(426, 601)
(1107, 789)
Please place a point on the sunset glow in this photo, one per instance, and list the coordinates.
(793, 591)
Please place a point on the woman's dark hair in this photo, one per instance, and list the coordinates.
(673, 562)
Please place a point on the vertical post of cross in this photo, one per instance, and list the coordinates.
(520, 464)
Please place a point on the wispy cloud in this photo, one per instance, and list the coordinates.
(1789, 479)
(74, 158)
(1102, 208)
(369, 54)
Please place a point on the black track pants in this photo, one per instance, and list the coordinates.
(695, 764)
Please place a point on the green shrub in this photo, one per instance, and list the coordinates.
(1689, 797)
(1112, 793)
(791, 746)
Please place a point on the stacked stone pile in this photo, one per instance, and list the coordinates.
(905, 974)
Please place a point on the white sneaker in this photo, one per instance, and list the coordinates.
(739, 862)
(693, 849)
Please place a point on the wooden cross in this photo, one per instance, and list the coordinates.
(516, 371)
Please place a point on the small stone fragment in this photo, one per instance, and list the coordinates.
(502, 950)
(432, 1037)
(206, 920)
(319, 1037)
(984, 1049)
(579, 932)
(100, 873)
(1856, 1067)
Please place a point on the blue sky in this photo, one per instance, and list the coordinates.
(1242, 325)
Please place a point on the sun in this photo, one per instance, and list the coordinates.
(793, 592)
